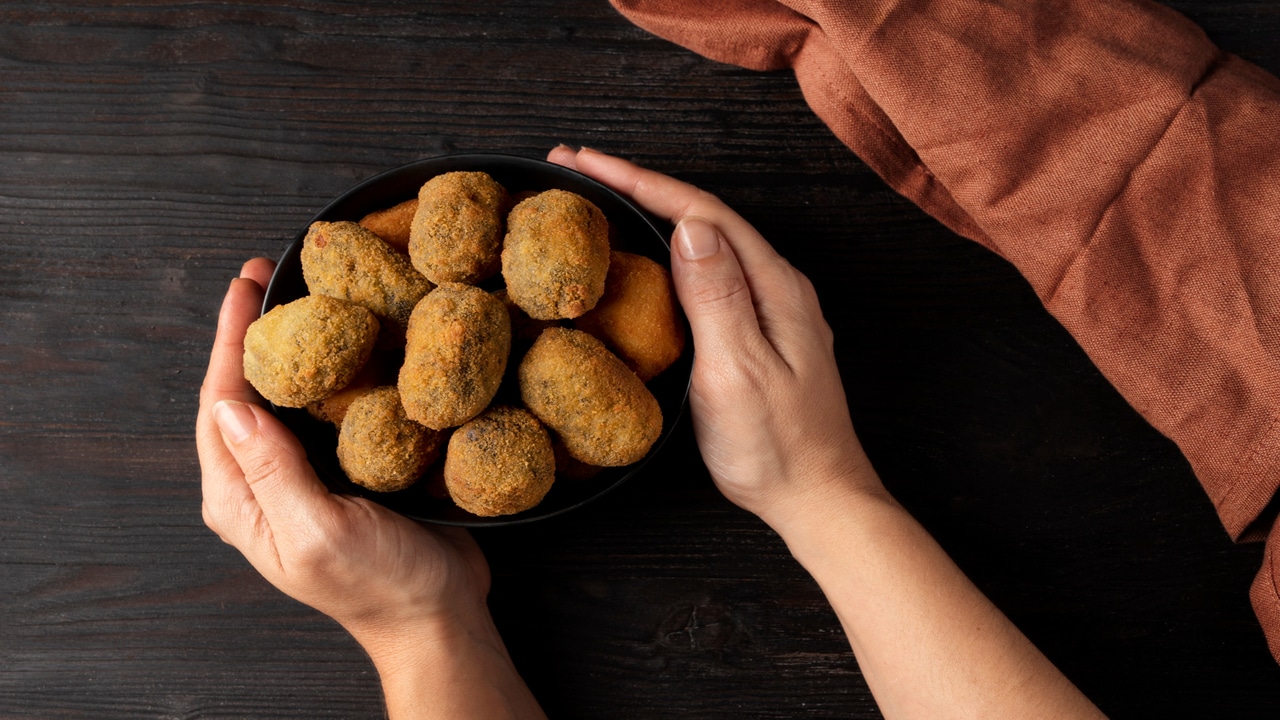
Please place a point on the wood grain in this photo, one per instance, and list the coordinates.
(150, 147)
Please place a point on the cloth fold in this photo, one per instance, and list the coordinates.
(1127, 167)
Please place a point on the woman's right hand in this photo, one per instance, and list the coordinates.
(771, 420)
(768, 408)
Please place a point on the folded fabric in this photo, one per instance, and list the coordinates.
(1126, 166)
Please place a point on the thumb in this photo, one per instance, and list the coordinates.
(712, 288)
(274, 464)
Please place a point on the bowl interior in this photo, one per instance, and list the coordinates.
(631, 230)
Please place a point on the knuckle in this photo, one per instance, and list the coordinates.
(697, 202)
(213, 523)
(806, 287)
(266, 463)
(209, 520)
(703, 197)
(310, 554)
(826, 335)
(739, 376)
(719, 290)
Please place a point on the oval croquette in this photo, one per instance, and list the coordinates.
(500, 463)
(308, 349)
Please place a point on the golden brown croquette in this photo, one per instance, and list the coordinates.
(637, 318)
(380, 448)
(500, 463)
(346, 261)
(594, 403)
(308, 349)
(556, 255)
(456, 234)
(458, 343)
(392, 224)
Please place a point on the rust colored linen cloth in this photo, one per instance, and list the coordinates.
(1127, 167)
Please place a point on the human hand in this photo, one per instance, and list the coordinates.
(374, 571)
(768, 408)
(413, 597)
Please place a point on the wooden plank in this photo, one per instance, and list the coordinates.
(150, 147)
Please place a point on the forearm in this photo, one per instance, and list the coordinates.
(449, 669)
(928, 642)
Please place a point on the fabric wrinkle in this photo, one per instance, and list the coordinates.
(1104, 149)
(1092, 235)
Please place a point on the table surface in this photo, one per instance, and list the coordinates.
(150, 147)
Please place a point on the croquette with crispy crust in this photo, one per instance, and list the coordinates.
(458, 343)
(308, 349)
(456, 234)
(333, 408)
(570, 468)
(556, 255)
(380, 448)
(500, 463)
(392, 224)
(524, 329)
(346, 261)
(594, 403)
(637, 318)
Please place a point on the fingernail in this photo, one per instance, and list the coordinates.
(697, 239)
(566, 146)
(235, 419)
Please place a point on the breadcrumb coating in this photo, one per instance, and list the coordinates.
(380, 448)
(637, 317)
(308, 349)
(556, 255)
(594, 403)
(456, 234)
(349, 262)
(458, 343)
(392, 224)
(500, 463)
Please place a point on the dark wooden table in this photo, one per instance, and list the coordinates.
(147, 148)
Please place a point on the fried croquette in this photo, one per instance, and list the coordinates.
(456, 234)
(500, 463)
(458, 343)
(392, 224)
(524, 329)
(570, 468)
(380, 448)
(556, 255)
(637, 317)
(308, 349)
(594, 403)
(333, 408)
(347, 261)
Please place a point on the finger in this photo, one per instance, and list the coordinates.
(224, 379)
(783, 298)
(228, 504)
(229, 508)
(713, 290)
(563, 155)
(259, 270)
(275, 469)
(674, 200)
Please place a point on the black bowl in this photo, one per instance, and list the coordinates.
(631, 229)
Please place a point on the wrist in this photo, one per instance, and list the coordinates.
(397, 644)
(803, 503)
(448, 666)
